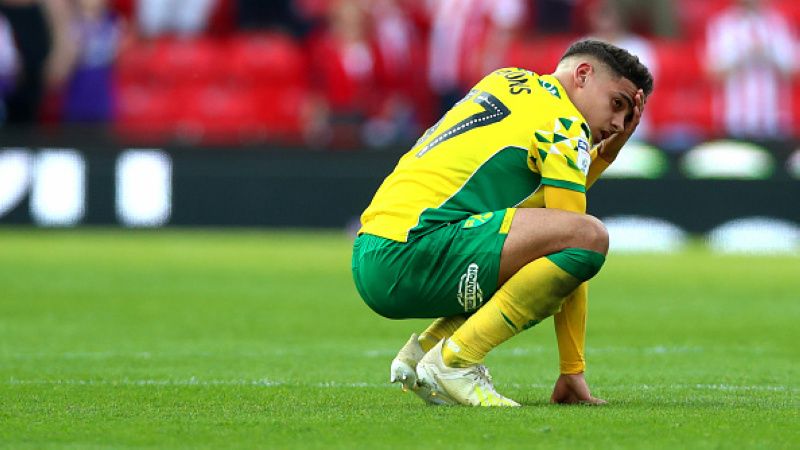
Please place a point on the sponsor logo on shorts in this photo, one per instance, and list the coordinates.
(470, 295)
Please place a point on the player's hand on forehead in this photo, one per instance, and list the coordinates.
(612, 146)
(636, 100)
(631, 94)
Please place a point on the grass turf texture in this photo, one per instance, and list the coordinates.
(244, 339)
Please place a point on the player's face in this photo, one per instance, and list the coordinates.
(607, 103)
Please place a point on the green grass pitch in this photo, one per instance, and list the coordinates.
(249, 339)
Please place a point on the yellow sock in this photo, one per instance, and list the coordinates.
(531, 295)
(440, 328)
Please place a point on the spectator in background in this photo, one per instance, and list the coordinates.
(395, 43)
(652, 17)
(276, 14)
(469, 38)
(9, 64)
(750, 51)
(185, 18)
(606, 23)
(554, 16)
(344, 64)
(89, 93)
(39, 29)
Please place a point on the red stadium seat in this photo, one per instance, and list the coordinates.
(281, 111)
(687, 108)
(134, 64)
(194, 61)
(267, 58)
(145, 114)
(540, 55)
(694, 15)
(789, 8)
(679, 63)
(796, 107)
(173, 62)
(215, 115)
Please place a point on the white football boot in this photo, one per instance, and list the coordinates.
(471, 386)
(404, 370)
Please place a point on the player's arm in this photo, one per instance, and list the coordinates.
(599, 165)
(564, 186)
(570, 322)
(564, 189)
(563, 198)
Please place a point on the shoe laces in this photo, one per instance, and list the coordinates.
(484, 380)
(481, 374)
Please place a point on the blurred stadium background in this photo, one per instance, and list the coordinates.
(288, 113)
(275, 120)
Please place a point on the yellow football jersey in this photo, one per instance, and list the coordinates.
(513, 132)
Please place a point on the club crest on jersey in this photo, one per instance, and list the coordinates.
(477, 220)
(583, 145)
(470, 295)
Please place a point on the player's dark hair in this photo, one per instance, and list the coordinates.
(619, 60)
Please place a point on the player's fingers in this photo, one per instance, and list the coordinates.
(563, 395)
(637, 116)
(566, 400)
(594, 401)
(630, 126)
(558, 396)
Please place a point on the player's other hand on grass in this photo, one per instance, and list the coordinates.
(610, 147)
(572, 389)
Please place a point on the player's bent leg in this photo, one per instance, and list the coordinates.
(534, 293)
(536, 232)
(536, 289)
(515, 242)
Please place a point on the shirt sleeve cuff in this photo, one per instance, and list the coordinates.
(565, 184)
(572, 368)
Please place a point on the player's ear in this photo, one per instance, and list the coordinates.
(581, 73)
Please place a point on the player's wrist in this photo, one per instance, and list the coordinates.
(604, 154)
(572, 370)
(607, 160)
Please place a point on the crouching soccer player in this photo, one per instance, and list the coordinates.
(482, 224)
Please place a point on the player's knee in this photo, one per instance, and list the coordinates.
(595, 235)
(585, 259)
(581, 263)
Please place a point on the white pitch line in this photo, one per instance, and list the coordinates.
(264, 382)
(146, 382)
(279, 352)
